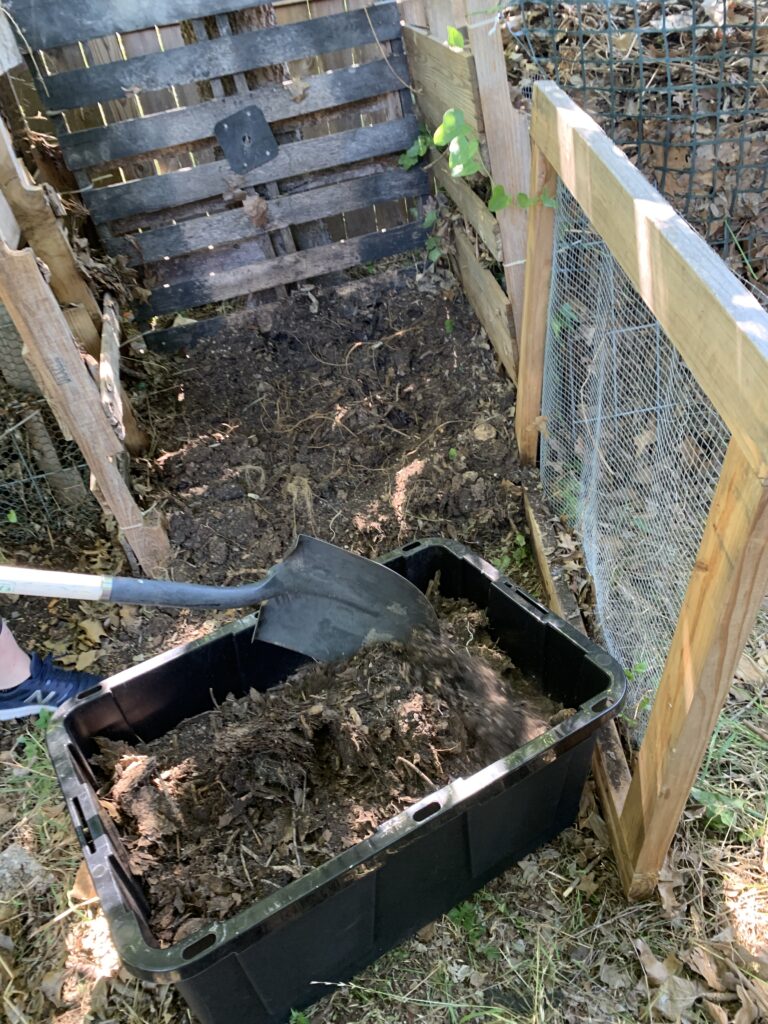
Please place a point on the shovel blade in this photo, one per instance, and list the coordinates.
(331, 603)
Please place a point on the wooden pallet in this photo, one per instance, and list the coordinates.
(155, 183)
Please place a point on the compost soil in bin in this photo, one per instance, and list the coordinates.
(236, 803)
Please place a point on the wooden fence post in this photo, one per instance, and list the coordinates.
(533, 336)
(55, 361)
(727, 585)
(507, 138)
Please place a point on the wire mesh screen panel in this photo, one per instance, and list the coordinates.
(43, 478)
(681, 88)
(631, 452)
(13, 369)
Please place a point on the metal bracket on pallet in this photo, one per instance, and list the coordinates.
(246, 139)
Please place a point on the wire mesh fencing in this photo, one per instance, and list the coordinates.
(43, 479)
(631, 452)
(681, 88)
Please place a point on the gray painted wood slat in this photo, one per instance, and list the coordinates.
(215, 58)
(165, 191)
(124, 139)
(296, 266)
(48, 23)
(297, 208)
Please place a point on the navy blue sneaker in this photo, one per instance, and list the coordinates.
(46, 689)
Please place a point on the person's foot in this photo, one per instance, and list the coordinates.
(47, 688)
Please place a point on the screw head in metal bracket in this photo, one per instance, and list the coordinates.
(246, 139)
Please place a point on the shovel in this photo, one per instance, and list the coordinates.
(322, 601)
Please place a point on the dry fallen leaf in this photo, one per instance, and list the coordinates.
(748, 1011)
(541, 424)
(656, 971)
(93, 630)
(702, 962)
(614, 976)
(86, 660)
(257, 210)
(669, 879)
(715, 1012)
(180, 321)
(51, 986)
(642, 440)
(82, 887)
(676, 996)
(484, 431)
(297, 87)
(681, 22)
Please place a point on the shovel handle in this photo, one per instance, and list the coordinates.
(126, 590)
(44, 583)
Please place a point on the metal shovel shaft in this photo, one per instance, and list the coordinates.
(322, 601)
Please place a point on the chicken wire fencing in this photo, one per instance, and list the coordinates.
(631, 451)
(43, 477)
(681, 88)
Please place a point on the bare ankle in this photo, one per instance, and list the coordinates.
(14, 663)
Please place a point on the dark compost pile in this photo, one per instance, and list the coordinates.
(234, 804)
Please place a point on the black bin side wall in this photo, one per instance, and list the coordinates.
(438, 869)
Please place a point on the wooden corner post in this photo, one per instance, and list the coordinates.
(727, 585)
(61, 375)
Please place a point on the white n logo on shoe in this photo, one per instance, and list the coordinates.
(39, 698)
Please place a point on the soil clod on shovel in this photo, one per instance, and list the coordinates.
(232, 805)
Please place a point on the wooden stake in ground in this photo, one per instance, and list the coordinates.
(53, 357)
(533, 336)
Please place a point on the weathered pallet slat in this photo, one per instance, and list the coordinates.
(471, 205)
(104, 145)
(165, 191)
(49, 23)
(444, 78)
(297, 266)
(298, 208)
(201, 265)
(489, 302)
(188, 335)
(227, 55)
(509, 152)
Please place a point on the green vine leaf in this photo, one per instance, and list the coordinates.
(500, 199)
(548, 200)
(524, 201)
(452, 125)
(418, 148)
(455, 38)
